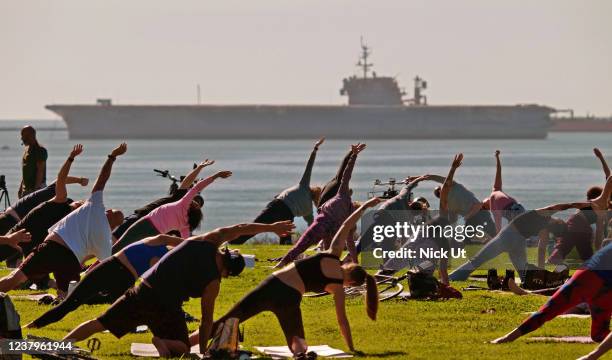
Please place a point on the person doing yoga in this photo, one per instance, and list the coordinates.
(499, 202)
(183, 216)
(591, 284)
(281, 293)
(512, 237)
(175, 196)
(437, 241)
(84, 233)
(331, 216)
(13, 214)
(193, 269)
(295, 201)
(112, 277)
(462, 201)
(38, 221)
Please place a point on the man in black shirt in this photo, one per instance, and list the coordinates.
(34, 163)
(191, 270)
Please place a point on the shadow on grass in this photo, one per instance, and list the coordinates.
(385, 354)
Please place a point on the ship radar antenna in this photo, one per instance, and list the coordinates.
(363, 59)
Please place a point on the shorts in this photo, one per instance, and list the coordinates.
(52, 257)
(140, 306)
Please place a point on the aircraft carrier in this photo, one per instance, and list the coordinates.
(376, 109)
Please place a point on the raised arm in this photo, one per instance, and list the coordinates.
(108, 166)
(348, 170)
(190, 178)
(435, 178)
(305, 180)
(229, 233)
(61, 194)
(602, 159)
(185, 201)
(497, 185)
(339, 241)
(448, 183)
(601, 206)
(345, 161)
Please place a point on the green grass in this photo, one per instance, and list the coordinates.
(453, 329)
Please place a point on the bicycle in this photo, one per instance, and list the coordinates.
(389, 287)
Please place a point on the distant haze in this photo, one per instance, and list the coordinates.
(556, 52)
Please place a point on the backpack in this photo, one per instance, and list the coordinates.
(10, 325)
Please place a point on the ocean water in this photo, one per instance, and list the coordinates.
(536, 172)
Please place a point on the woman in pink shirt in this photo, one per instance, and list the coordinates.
(499, 203)
(183, 216)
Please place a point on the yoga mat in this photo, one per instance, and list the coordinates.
(32, 297)
(563, 339)
(569, 316)
(149, 350)
(282, 352)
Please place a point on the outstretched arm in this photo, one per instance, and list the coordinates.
(601, 206)
(83, 181)
(108, 166)
(209, 297)
(190, 178)
(61, 194)
(305, 180)
(602, 159)
(348, 170)
(497, 185)
(163, 239)
(185, 201)
(448, 184)
(343, 165)
(343, 323)
(229, 233)
(551, 209)
(339, 241)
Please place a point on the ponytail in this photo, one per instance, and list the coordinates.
(371, 297)
(358, 277)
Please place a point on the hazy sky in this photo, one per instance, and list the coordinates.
(557, 52)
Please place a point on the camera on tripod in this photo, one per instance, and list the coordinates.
(387, 193)
(4, 192)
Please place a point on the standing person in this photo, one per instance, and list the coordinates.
(591, 284)
(281, 293)
(193, 269)
(112, 277)
(183, 215)
(175, 196)
(33, 163)
(295, 201)
(38, 221)
(331, 216)
(84, 233)
(499, 202)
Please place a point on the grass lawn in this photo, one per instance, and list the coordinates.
(453, 329)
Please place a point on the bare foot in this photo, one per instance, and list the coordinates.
(516, 289)
(161, 347)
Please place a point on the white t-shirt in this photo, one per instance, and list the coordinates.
(86, 230)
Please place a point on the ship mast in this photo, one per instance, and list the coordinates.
(363, 59)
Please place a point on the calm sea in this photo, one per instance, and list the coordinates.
(536, 172)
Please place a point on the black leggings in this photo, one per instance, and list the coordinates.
(276, 210)
(110, 277)
(275, 296)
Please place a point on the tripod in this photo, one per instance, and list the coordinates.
(5, 195)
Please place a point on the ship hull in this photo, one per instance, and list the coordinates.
(293, 122)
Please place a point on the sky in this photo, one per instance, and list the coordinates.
(550, 52)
